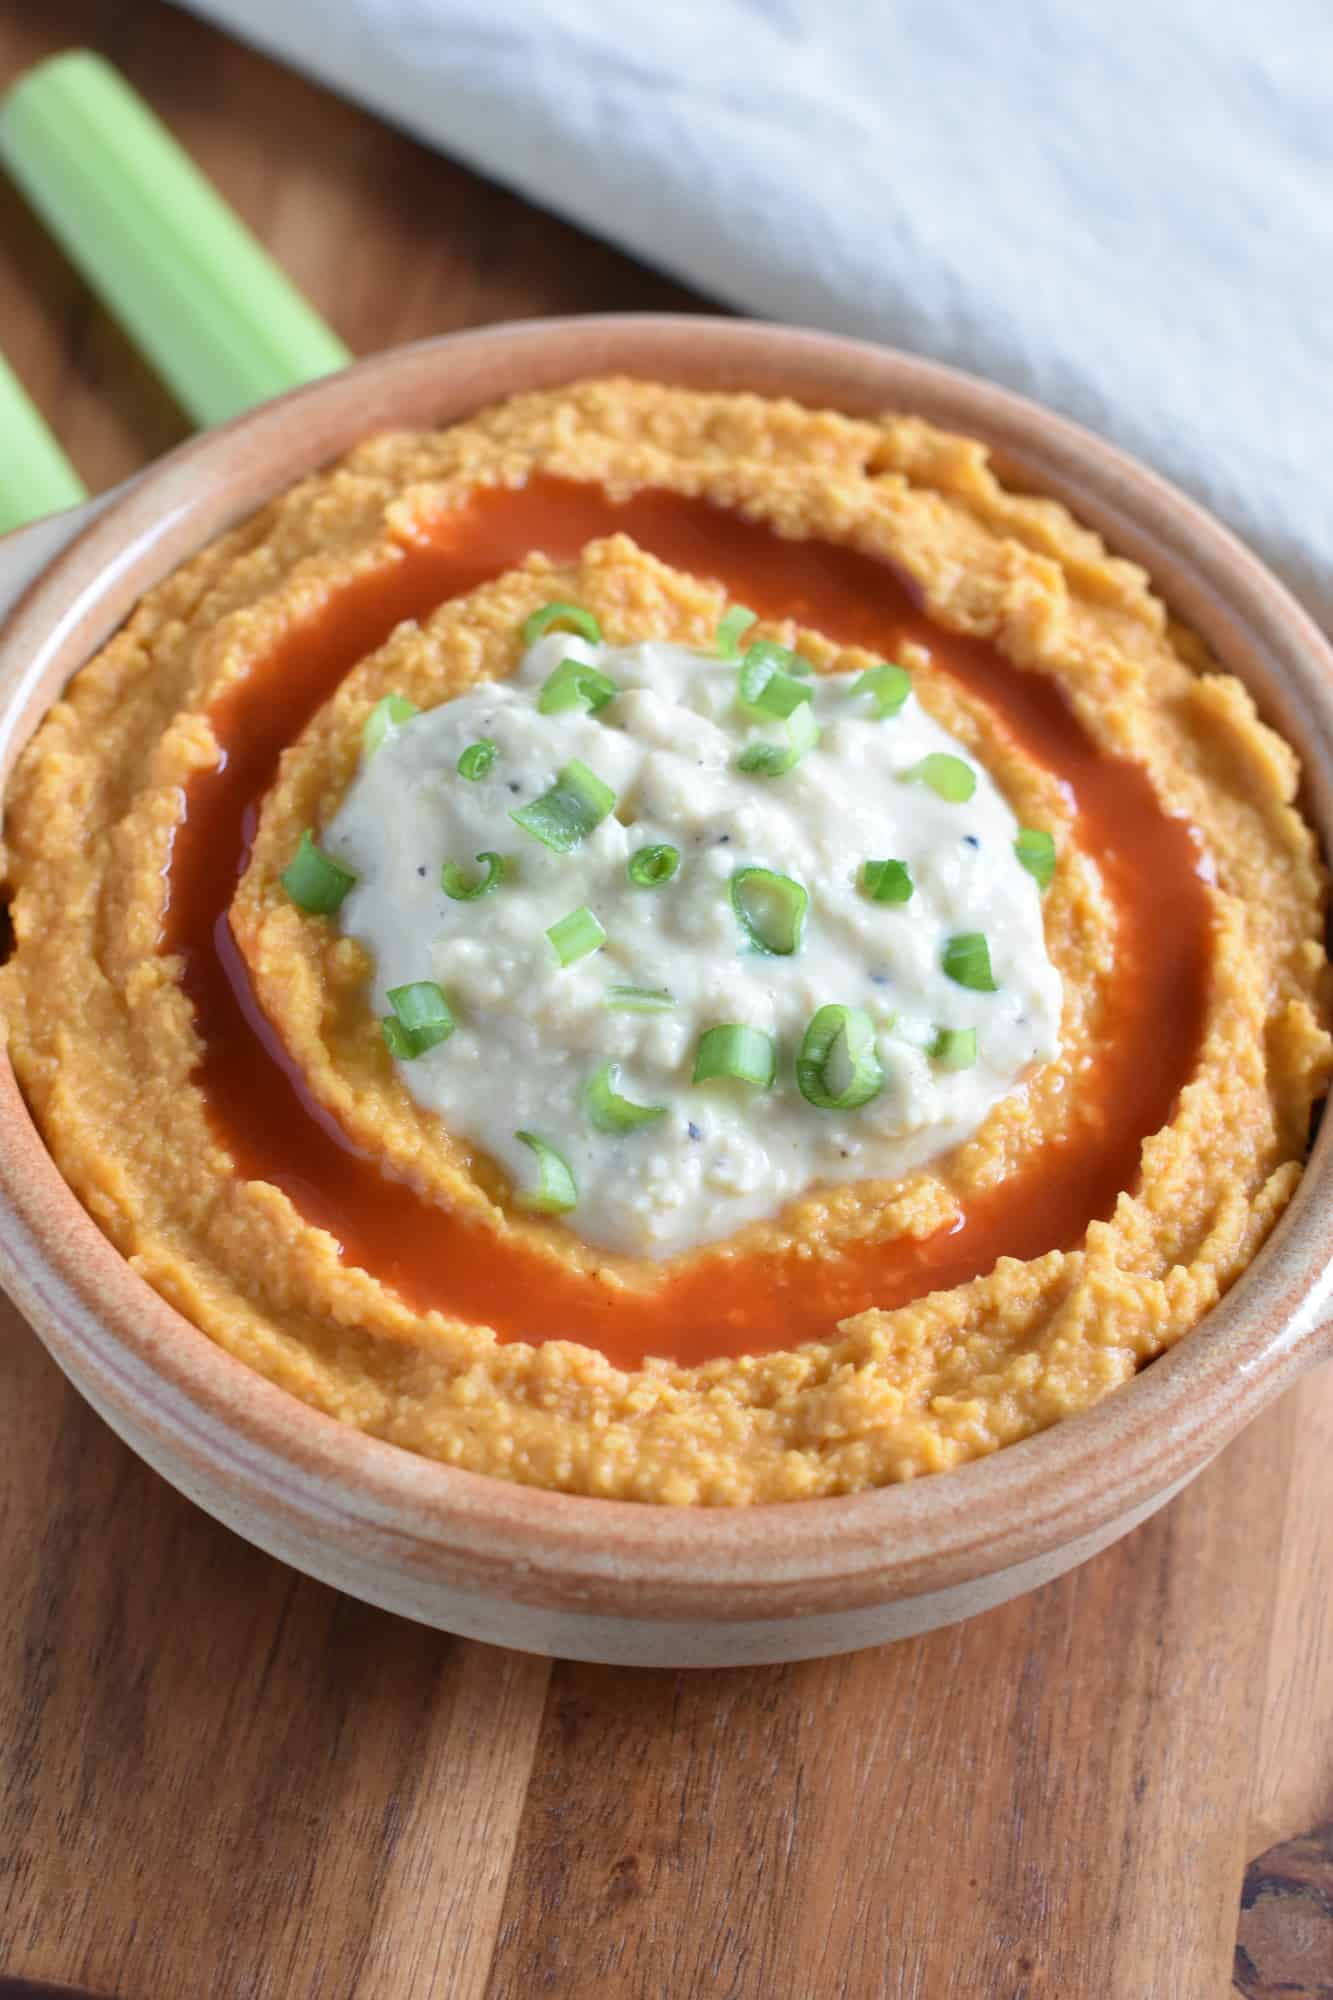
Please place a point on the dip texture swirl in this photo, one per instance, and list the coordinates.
(114, 1050)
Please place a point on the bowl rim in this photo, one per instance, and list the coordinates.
(164, 1375)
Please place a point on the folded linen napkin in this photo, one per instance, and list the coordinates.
(1125, 212)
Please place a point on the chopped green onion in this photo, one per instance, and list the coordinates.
(838, 1066)
(576, 935)
(770, 909)
(639, 999)
(453, 884)
(314, 880)
(888, 686)
(770, 759)
(563, 818)
(384, 716)
(948, 776)
(574, 685)
(607, 1111)
(888, 881)
(767, 684)
(650, 867)
(477, 759)
(555, 1192)
(747, 1055)
(966, 959)
(572, 617)
(954, 1048)
(1036, 852)
(732, 625)
(420, 1019)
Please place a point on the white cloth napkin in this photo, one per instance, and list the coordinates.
(1124, 211)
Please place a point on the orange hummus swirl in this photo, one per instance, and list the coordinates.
(107, 1048)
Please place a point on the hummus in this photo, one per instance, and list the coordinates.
(854, 1329)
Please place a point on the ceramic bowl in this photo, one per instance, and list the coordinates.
(606, 1580)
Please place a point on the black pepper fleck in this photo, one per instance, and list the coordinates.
(514, 785)
(722, 839)
(879, 978)
(693, 1130)
(421, 870)
(970, 840)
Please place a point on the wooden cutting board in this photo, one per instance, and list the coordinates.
(218, 1779)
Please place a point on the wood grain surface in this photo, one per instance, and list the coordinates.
(219, 1779)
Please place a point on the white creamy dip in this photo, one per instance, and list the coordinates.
(530, 1032)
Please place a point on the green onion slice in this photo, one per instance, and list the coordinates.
(397, 1041)
(838, 1066)
(624, 999)
(607, 1111)
(477, 759)
(966, 959)
(314, 880)
(453, 884)
(888, 881)
(770, 909)
(420, 1019)
(767, 683)
(954, 1048)
(387, 714)
(651, 866)
(576, 935)
(733, 623)
(888, 686)
(563, 818)
(771, 760)
(1036, 852)
(572, 617)
(556, 1192)
(947, 776)
(747, 1055)
(574, 685)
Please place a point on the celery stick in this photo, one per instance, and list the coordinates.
(193, 289)
(36, 478)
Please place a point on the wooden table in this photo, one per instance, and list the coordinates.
(217, 1778)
